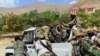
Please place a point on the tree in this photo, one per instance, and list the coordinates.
(49, 17)
(97, 13)
(65, 17)
(84, 18)
(1, 22)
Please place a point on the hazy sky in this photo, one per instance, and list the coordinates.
(17, 3)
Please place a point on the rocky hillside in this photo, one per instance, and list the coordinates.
(39, 7)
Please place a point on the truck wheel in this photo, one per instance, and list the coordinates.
(9, 54)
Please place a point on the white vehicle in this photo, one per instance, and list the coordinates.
(61, 49)
(29, 35)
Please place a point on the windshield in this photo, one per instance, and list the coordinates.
(28, 36)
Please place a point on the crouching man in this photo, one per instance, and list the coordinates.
(19, 47)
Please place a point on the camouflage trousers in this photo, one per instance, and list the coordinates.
(47, 54)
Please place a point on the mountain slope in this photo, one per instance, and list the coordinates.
(39, 7)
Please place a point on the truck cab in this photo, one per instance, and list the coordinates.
(28, 38)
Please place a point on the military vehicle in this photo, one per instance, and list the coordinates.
(61, 49)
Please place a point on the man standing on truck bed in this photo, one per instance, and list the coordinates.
(42, 43)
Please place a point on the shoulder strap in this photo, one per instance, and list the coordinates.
(54, 33)
(45, 46)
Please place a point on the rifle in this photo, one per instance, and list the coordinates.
(54, 35)
(47, 48)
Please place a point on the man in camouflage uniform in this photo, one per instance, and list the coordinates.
(95, 50)
(76, 42)
(42, 37)
(87, 43)
(19, 47)
(59, 33)
(62, 28)
(45, 30)
(52, 34)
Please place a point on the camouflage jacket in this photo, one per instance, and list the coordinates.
(94, 51)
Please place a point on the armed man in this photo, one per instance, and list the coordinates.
(71, 30)
(59, 32)
(76, 42)
(88, 42)
(19, 47)
(72, 26)
(52, 34)
(42, 45)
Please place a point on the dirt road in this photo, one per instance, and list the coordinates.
(4, 43)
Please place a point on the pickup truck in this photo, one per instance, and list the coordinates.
(61, 49)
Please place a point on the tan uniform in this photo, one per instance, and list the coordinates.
(45, 30)
(40, 33)
(43, 33)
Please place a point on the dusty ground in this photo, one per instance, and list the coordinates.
(3, 43)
